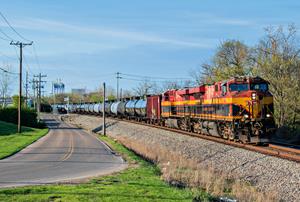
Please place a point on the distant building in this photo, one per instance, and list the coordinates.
(80, 91)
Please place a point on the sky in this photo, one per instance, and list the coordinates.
(85, 42)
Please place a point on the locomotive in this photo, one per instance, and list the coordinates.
(239, 109)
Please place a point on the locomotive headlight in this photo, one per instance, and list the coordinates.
(253, 95)
(268, 115)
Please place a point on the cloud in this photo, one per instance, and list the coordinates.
(109, 33)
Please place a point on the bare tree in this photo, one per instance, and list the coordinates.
(144, 88)
(126, 93)
(5, 80)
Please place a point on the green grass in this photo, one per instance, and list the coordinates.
(12, 142)
(140, 182)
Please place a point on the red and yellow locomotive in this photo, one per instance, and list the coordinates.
(238, 109)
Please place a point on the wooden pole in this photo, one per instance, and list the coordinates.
(103, 125)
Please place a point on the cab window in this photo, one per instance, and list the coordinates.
(224, 89)
(259, 87)
(238, 87)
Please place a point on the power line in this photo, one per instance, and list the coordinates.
(16, 52)
(7, 36)
(6, 71)
(27, 65)
(2, 37)
(36, 57)
(7, 22)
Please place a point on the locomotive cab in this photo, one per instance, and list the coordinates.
(252, 107)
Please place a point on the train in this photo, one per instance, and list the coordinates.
(238, 109)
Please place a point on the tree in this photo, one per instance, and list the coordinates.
(277, 60)
(16, 101)
(126, 93)
(233, 58)
(144, 88)
(4, 84)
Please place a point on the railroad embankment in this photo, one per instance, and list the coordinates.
(217, 168)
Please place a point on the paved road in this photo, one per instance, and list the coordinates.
(64, 154)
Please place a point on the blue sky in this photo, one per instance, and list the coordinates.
(85, 42)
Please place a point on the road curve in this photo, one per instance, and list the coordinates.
(64, 154)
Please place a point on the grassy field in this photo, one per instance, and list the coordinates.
(140, 182)
(12, 142)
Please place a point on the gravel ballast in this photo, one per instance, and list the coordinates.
(267, 173)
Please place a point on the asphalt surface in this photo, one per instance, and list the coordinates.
(65, 154)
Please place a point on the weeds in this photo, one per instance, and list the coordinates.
(180, 171)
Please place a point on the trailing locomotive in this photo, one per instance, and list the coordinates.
(238, 109)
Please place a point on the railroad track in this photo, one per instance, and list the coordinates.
(280, 151)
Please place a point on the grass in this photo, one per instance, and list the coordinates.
(184, 171)
(140, 182)
(12, 142)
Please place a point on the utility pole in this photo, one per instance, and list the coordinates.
(103, 114)
(118, 77)
(21, 46)
(53, 94)
(121, 94)
(39, 92)
(26, 89)
(33, 82)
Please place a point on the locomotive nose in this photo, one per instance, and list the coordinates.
(256, 95)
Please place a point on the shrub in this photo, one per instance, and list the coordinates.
(28, 116)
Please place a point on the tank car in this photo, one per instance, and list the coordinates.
(129, 108)
(96, 108)
(114, 108)
(121, 108)
(108, 107)
(91, 108)
(140, 108)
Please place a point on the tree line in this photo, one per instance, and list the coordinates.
(275, 58)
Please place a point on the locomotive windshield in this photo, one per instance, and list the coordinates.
(239, 87)
(259, 87)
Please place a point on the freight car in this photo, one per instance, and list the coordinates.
(239, 109)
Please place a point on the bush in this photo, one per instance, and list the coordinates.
(28, 116)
